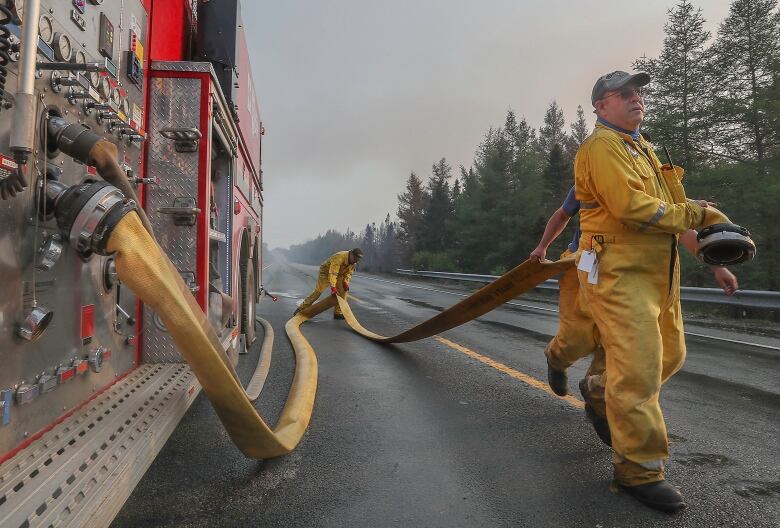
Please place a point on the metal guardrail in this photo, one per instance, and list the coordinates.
(768, 300)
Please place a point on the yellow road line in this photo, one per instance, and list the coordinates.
(528, 380)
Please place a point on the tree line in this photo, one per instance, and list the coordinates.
(714, 102)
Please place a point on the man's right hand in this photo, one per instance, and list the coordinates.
(333, 291)
(538, 254)
(725, 279)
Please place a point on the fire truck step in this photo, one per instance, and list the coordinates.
(82, 471)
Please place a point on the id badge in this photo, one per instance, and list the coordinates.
(593, 274)
(587, 261)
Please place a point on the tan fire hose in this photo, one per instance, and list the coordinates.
(513, 283)
(103, 156)
(145, 269)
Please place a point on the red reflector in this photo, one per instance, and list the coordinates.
(66, 375)
(91, 170)
(87, 321)
(107, 353)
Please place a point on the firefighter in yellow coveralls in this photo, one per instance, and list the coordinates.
(632, 209)
(577, 335)
(336, 273)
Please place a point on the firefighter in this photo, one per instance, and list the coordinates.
(336, 273)
(577, 334)
(632, 209)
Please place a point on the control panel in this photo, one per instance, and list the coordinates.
(69, 327)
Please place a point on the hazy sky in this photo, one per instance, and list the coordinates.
(356, 94)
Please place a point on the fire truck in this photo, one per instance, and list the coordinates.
(91, 384)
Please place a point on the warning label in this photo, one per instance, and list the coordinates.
(7, 166)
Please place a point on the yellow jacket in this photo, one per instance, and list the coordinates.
(338, 268)
(622, 187)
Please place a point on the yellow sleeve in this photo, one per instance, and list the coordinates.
(619, 188)
(348, 274)
(335, 266)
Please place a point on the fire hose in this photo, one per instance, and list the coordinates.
(98, 218)
(143, 267)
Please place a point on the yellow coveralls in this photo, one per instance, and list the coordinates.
(577, 337)
(334, 272)
(632, 210)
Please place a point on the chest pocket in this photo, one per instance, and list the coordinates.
(643, 167)
(674, 183)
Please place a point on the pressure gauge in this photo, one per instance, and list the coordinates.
(46, 29)
(80, 57)
(116, 97)
(19, 8)
(63, 49)
(125, 107)
(105, 87)
(94, 79)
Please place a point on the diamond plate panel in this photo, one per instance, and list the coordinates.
(174, 103)
(199, 67)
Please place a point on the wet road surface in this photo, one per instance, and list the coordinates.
(458, 431)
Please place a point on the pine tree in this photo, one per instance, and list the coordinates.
(677, 93)
(469, 240)
(742, 65)
(558, 178)
(438, 214)
(552, 133)
(579, 133)
(412, 204)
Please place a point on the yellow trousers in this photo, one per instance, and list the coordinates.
(636, 307)
(578, 337)
(323, 283)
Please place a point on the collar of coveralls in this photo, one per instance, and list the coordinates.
(634, 134)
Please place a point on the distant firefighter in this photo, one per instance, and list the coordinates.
(336, 273)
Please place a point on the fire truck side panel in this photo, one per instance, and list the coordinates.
(175, 102)
(249, 123)
(92, 314)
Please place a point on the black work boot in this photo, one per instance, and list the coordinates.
(659, 495)
(338, 316)
(557, 380)
(600, 424)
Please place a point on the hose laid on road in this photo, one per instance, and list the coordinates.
(255, 385)
(144, 268)
(513, 283)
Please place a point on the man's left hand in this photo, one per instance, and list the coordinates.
(705, 204)
(725, 279)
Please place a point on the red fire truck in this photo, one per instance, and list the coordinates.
(91, 384)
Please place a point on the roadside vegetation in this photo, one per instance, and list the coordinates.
(714, 102)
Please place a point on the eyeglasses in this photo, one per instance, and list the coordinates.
(627, 93)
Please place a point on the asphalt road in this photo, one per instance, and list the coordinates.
(458, 431)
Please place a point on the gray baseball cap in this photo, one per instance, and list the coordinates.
(615, 81)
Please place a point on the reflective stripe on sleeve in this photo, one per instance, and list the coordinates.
(656, 217)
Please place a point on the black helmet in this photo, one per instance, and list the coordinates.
(358, 253)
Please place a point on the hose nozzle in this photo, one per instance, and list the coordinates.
(725, 245)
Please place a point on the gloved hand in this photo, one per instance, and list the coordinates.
(333, 291)
(346, 286)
